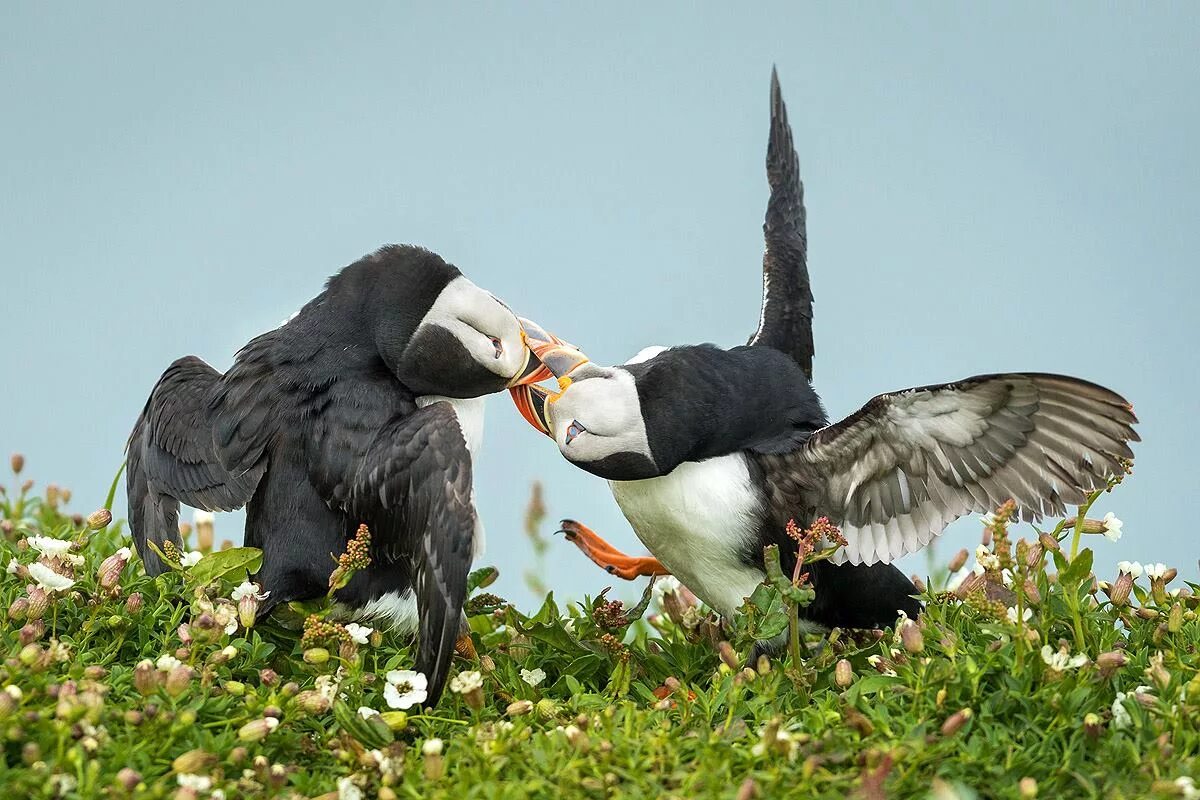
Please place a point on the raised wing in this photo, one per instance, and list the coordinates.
(173, 458)
(413, 485)
(895, 473)
(785, 321)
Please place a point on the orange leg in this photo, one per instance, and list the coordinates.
(605, 555)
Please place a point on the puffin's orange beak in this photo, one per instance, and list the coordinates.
(550, 357)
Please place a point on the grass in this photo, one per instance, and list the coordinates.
(1095, 694)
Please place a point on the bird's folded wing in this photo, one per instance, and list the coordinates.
(895, 473)
(414, 484)
(785, 321)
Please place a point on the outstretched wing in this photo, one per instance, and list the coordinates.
(895, 473)
(173, 458)
(414, 485)
(785, 321)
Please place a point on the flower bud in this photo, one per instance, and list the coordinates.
(960, 559)
(1175, 618)
(577, 738)
(133, 603)
(1118, 592)
(911, 637)
(290, 689)
(1157, 673)
(486, 664)
(546, 708)
(1092, 725)
(19, 609)
(1048, 542)
(109, 572)
(431, 752)
(940, 698)
(519, 708)
(956, 721)
(99, 519)
(31, 631)
(178, 680)
(316, 655)
(268, 676)
(395, 720)
(764, 664)
(728, 657)
(17, 462)
(843, 674)
(257, 730)
(312, 702)
(128, 779)
(1109, 662)
(193, 762)
(248, 610)
(1146, 613)
(145, 677)
(30, 654)
(8, 705)
(39, 603)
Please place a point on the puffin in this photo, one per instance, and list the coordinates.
(711, 452)
(365, 407)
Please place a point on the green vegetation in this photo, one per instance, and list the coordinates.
(1029, 679)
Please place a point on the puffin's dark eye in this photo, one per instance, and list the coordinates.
(573, 430)
(499, 345)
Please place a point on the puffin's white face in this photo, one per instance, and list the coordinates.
(598, 416)
(485, 327)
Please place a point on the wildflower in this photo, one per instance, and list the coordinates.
(359, 634)
(1112, 527)
(664, 585)
(133, 603)
(203, 523)
(1187, 788)
(315, 656)
(533, 677)
(470, 686)
(1092, 725)
(1131, 568)
(882, 665)
(431, 751)
(843, 674)
(960, 558)
(247, 597)
(146, 678)
(110, 569)
(99, 519)
(519, 708)
(985, 560)
(1026, 615)
(257, 730)
(48, 545)
(1121, 717)
(14, 692)
(191, 762)
(347, 790)
(166, 662)
(327, 686)
(191, 558)
(405, 689)
(38, 603)
(48, 579)
(1156, 571)
(177, 680)
(1062, 660)
(129, 779)
(312, 701)
(955, 721)
(1157, 673)
(366, 712)
(1118, 592)
(910, 635)
(1027, 788)
(1110, 662)
(14, 565)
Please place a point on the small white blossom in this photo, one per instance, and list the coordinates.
(248, 589)
(985, 560)
(1156, 571)
(1026, 615)
(167, 662)
(366, 712)
(533, 676)
(405, 688)
(217, 794)
(199, 783)
(48, 579)
(328, 686)
(1121, 718)
(1007, 577)
(664, 585)
(1112, 527)
(13, 566)
(124, 553)
(360, 634)
(988, 519)
(347, 790)
(48, 545)
(465, 682)
(568, 624)
(201, 517)
(432, 747)
(1187, 787)
(14, 692)
(1131, 568)
(191, 558)
(1062, 660)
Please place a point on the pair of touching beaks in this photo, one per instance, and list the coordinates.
(549, 357)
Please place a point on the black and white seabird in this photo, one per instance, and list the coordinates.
(710, 452)
(365, 407)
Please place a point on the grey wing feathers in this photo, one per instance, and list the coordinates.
(415, 482)
(172, 458)
(785, 320)
(900, 469)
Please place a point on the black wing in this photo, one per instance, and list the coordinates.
(785, 321)
(173, 458)
(413, 484)
(895, 473)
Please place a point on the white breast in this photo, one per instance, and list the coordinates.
(696, 521)
(470, 419)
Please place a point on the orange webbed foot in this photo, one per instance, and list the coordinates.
(608, 557)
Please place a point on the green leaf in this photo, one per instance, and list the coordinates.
(1078, 569)
(870, 685)
(224, 562)
(482, 578)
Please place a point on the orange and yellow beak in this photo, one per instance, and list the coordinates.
(549, 357)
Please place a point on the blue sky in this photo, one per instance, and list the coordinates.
(1010, 187)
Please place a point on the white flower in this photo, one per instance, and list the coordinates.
(988, 519)
(217, 794)
(200, 517)
(1121, 718)
(1007, 577)
(347, 790)
(167, 662)
(533, 676)
(14, 692)
(1156, 570)
(48, 579)
(191, 558)
(200, 783)
(405, 688)
(1187, 787)
(664, 585)
(248, 589)
(568, 624)
(985, 560)
(465, 682)
(1062, 660)
(366, 712)
(360, 634)
(432, 747)
(48, 545)
(1112, 527)
(124, 553)
(1026, 614)
(13, 566)
(328, 686)
(1132, 568)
